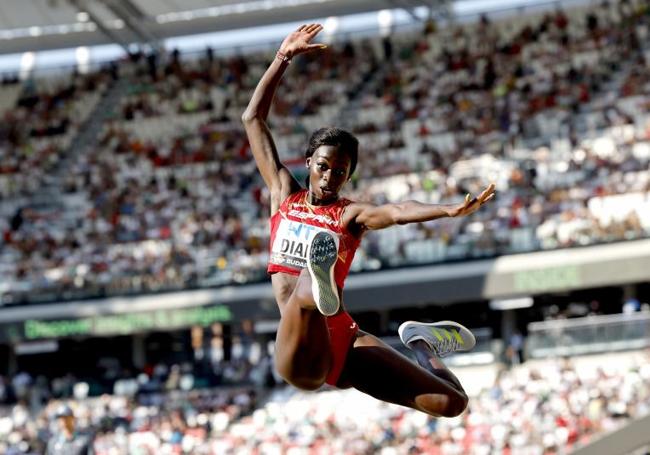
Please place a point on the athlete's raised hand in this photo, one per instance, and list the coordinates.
(472, 205)
(299, 42)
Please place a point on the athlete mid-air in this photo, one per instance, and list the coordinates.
(314, 235)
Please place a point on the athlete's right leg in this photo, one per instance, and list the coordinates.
(302, 348)
(427, 359)
(429, 341)
(377, 369)
(427, 386)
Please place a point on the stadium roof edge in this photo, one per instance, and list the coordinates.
(34, 25)
(162, 26)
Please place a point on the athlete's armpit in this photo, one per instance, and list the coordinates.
(364, 216)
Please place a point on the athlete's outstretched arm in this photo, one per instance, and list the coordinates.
(277, 178)
(373, 217)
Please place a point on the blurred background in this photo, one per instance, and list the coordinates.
(136, 316)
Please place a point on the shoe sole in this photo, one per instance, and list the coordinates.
(469, 341)
(322, 257)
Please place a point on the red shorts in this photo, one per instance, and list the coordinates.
(343, 331)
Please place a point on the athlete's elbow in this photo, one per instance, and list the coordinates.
(249, 116)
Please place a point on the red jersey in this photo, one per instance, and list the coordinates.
(296, 223)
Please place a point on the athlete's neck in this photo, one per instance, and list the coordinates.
(313, 200)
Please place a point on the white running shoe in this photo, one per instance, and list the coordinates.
(444, 337)
(322, 257)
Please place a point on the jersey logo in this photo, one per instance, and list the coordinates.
(319, 218)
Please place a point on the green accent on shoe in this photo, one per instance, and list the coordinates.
(444, 337)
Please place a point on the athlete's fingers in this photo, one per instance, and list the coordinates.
(314, 29)
(489, 189)
(302, 27)
(487, 192)
(311, 35)
(491, 196)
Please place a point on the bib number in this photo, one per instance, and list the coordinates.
(292, 240)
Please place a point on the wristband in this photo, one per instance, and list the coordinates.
(282, 57)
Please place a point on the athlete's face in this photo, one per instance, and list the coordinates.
(328, 171)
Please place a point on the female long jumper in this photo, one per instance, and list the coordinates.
(314, 235)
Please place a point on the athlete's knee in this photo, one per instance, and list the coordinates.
(298, 377)
(456, 404)
(306, 383)
(439, 405)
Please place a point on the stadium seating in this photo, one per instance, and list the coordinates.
(547, 407)
(551, 109)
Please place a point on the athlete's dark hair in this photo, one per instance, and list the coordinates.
(344, 140)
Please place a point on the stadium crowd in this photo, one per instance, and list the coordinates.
(553, 108)
(40, 120)
(544, 409)
(171, 422)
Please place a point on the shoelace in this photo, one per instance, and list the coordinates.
(446, 347)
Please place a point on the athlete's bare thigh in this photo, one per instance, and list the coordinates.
(283, 286)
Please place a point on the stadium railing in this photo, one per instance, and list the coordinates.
(588, 335)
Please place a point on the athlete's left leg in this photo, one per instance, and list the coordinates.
(375, 368)
(302, 348)
(303, 356)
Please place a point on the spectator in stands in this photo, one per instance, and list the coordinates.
(527, 408)
(68, 440)
(515, 349)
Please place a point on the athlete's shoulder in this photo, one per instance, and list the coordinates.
(294, 197)
(345, 202)
(350, 213)
(356, 206)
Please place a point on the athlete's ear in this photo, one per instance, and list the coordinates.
(308, 162)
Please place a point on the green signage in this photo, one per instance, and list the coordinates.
(123, 324)
(547, 279)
